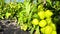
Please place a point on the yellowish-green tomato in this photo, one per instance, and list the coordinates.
(49, 20)
(42, 23)
(42, 30)
(54, 32)
(8, 14)
(48, 29)
(41, 14)
(53, 26)
(40, 7)
(48, 13)
(24, 27)
(35, 22)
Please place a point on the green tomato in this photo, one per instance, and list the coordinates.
(48, 29)
(40, 7)
(42, 23)
(53, 26)
(24, 27)
(42, 30)
(48, 13)
(35, 22)
(41, 14)
(54, 32)
(49, 20)
(8, 14)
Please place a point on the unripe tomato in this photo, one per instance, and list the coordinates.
(42, 23)
(49, 20)
(48, 13)
(53, 26)
(41, 14)
(48, 29)
(42, 30)
(7, 14)
(24, 27)
(54, 32)
(35, 22)
(40, 7)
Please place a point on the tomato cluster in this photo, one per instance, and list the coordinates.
(45, 22)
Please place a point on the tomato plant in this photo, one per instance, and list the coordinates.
(36, 16)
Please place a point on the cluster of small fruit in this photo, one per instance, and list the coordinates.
(45, 22)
